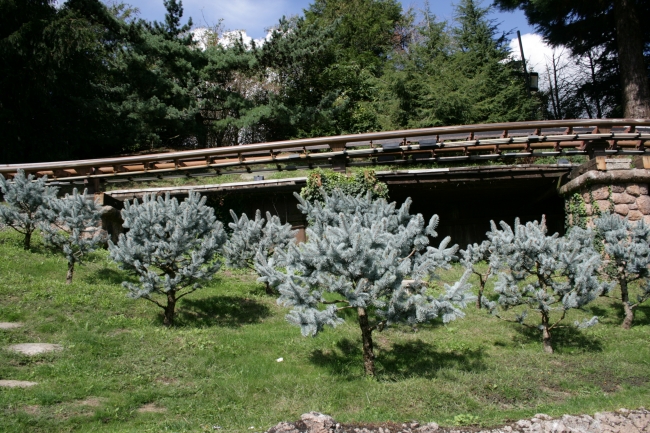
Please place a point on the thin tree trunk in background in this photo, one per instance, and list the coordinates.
(627, 308)
(68, 277)
(634, 78)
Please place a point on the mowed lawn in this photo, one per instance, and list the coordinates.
(121, 370)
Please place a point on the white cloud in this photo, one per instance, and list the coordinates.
(227, 38)
(253, 15)
(539, 55)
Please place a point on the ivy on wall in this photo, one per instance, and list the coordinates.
(320, 181)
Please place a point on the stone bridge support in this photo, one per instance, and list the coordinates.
(608, 185)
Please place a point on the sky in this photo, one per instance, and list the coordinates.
(256, 16)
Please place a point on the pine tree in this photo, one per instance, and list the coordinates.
(250, 237)
(471, 256)
(627, 247)
(171, 247)
(546, 274)
(358, 253)
(72, 225)
(26, 198)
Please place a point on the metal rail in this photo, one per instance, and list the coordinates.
(441, 144)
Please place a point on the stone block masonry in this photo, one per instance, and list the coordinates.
(624, 191)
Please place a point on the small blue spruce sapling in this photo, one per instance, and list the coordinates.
(627, 250)
(546, 274)
(470, 257)
(172, 247)
(72, 224)
(26, 199)
(250, 237)
(358, 255)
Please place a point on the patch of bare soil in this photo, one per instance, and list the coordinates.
(151, 408)
(91, 401)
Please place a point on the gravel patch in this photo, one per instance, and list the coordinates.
(621, 421)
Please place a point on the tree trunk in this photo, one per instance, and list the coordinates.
(269, 290)
(68, 277)
(634, 80)
(625, 298)
(479, 298)
(28, 240)
(366, 336)
(546, 334)
(170, 309)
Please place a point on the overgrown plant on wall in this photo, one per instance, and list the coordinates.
(72, 224)
(321, 182)
(547, 275)
(627, 252)
(26, 199)
(172, 247)
(358, 253)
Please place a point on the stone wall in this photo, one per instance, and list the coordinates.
(627, 199)
(624, 191)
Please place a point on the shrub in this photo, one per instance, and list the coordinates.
(72, 224)
(547, 274)
(26, 199)
(358, 254)
(171, 247)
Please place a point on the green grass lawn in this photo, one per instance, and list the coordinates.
(218, 365)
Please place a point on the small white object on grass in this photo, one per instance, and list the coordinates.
(279, 359)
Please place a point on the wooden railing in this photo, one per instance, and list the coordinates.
(425, 145)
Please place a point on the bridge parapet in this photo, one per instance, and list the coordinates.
(454, 144)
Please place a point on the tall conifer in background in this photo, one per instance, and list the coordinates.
(358, 253)
(26, 200)
(172, 247)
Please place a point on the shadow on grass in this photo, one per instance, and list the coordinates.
(409, 359)
(229, 311)
(562, 339)
(109, 276)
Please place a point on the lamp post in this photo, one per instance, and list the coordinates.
(532, 78)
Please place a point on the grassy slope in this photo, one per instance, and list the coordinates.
(218, 366)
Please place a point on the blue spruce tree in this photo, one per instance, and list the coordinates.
(627, 249)
(72, 225)
(26, 199)
(358, 254)
(250, 237)
(546, 274)
(171, 247)
(470, 257)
